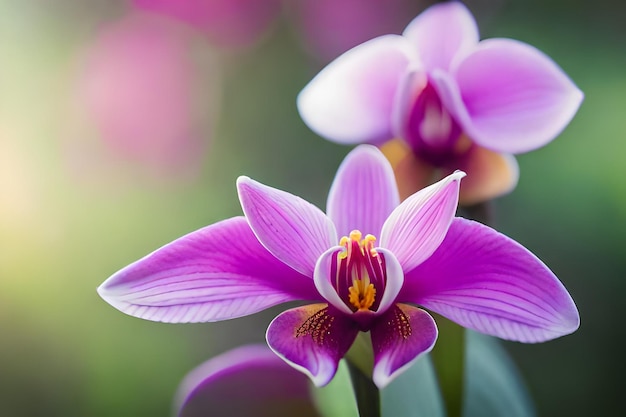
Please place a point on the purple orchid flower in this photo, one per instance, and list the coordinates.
(456, 102)
(286, 249)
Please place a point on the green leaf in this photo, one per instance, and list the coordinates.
(414, 393)
(493, 386)
(336, 398)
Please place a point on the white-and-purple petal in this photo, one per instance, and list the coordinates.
(487, 282)
(509, 96)
(395, 280)
(441, 33)
(351, 100)
(416, 227)
(325, 281)
(363, 193)
(399, 338)
(216, 273)
(292, 229)
(312, 339)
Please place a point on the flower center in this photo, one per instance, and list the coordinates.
(432, 131)
(360, 272)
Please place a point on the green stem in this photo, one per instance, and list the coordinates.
(360, 360)
(448, 359)
(366, 393)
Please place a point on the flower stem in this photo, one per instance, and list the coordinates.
(366, 393)
(360, 360)
(448, 359)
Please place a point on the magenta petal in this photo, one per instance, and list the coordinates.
(515, 97)
(399, 337)
(235, 383)
(417, 226)
(364, 192)
(292, 229)
(312, 339)
(441, 33)
(487, 282)
(351, 100)
(215, 273)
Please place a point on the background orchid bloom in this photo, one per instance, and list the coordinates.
(286, 249)
(228, 23)
(147, 117)
(247, 381)
(455, 102)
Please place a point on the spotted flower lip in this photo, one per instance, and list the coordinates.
(457, 102)
(364, 266)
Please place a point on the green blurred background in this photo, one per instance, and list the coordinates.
(74, 209)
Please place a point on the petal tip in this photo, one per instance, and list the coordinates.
(366, 148)
(366, 151)
(570, 322)
(395, 351)
(321, 378)
(457, 175)
(243, 180)
(107, 292)
(243, 184)
(102, 292)
(382, 376)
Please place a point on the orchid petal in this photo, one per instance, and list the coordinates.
(215, 273)
(487, 282)
(417, 226)
(364, 192)
(395, 280)
(312, 339)
(409, 90)
(511, 97)
(351, 100)
(292, 229)
(399, 338)
(324, 279)
(489, 175)
(441, 33)
(235, 384)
